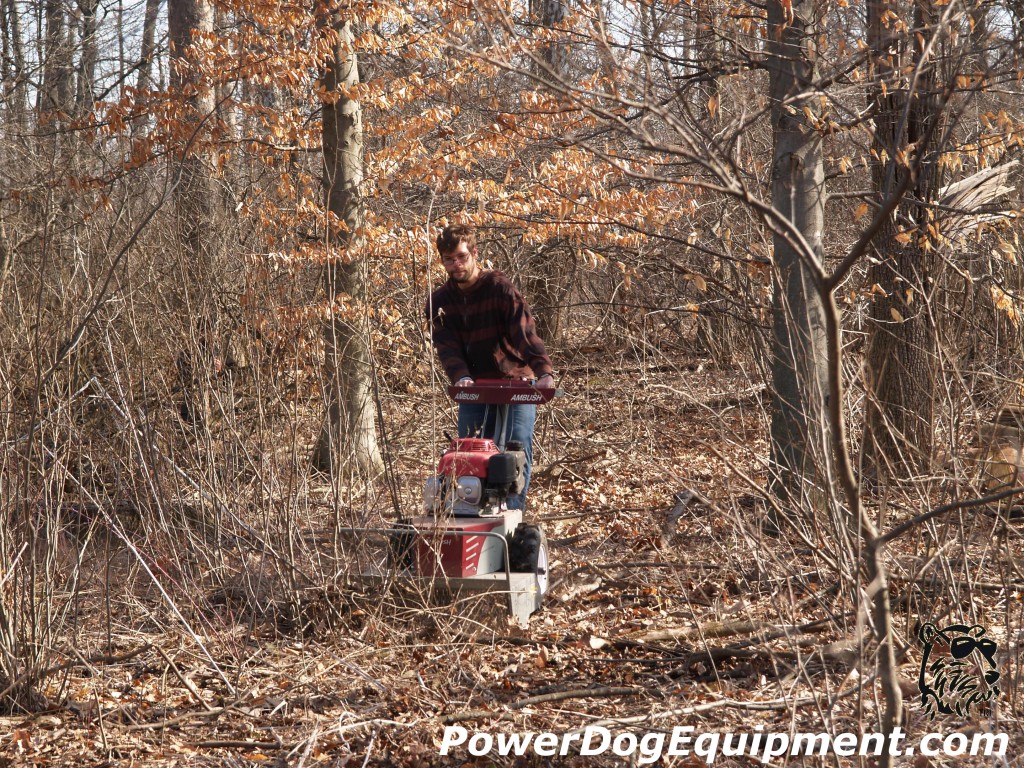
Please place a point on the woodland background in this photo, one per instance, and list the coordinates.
(774, 250)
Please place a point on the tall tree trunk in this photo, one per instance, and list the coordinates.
(15, 78)
(8, 73)
(550, 13)
(193, 203)
(799, 447)
(718, 331)
(981, 42)
(145, 81)
(55, 95)
(227, 90)
(349, 436)
(549, 267)
(87, 63)
(706, 46)
(902, 345)
(193, 196)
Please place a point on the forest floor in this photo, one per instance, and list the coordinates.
(656, 619)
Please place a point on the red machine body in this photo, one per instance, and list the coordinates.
(460, 500)
(453, 551)
(467, 456)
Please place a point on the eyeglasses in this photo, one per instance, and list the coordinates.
(961, 648)
(460, 258)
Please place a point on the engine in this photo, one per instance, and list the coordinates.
(474, 477)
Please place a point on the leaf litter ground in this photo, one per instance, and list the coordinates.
(660, 614)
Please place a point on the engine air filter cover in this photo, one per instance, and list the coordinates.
(502, 470)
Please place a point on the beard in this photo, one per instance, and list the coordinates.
(467, 275)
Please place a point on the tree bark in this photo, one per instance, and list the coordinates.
(145, 80)
(186, 19)
(902, 345)
(718, 331)
(55, 95)
(349, 436)
(14, 64)
(550, 268)
(193, 196)
(550, 13)
(193, 203)
(84, 95)
(147, 53)
(799, 448)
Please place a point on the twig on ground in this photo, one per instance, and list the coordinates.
(214, 712)
(79, 661)
(583, 693)
(784, 705)
(189, 685)
(310, 743)
(238, 744)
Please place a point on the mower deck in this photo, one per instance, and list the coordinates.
(524, 596)
(525, 590)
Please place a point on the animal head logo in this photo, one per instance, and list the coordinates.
(958, 669)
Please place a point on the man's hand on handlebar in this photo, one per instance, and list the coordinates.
(546, 381)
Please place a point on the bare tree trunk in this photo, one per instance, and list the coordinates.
(14, 75)
(145, 80)
(981, 43)
(193, 198)
(550, 13)
(718, 331)
(194, 204)
(87, 63)
(349, 432)
(549, 266)
(227, 90)
(11, 73)
(707, 57)
(799, 450)
(187, 18)
(55, 95)
(901, 353)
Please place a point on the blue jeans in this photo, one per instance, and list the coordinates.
(521, 419)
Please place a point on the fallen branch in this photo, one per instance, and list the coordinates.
(582, 693)
(566, 462)
(785, 705)
(683, 499)
(924, 517)
(228, 744)
(842, 652)
(79, 661)
(714, 629)
(714, 402)
(189, 685)
(718, 629)
(377, 721)
(183, 718)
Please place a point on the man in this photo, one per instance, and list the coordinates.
(482, 328)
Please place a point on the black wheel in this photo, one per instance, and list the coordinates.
(402, 547)
(528, 553)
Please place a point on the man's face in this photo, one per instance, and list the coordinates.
(461, 265)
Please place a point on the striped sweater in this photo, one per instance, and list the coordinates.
(487, 332)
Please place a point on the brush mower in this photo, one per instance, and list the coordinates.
(466, 538)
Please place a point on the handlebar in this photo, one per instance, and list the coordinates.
(503, 392)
